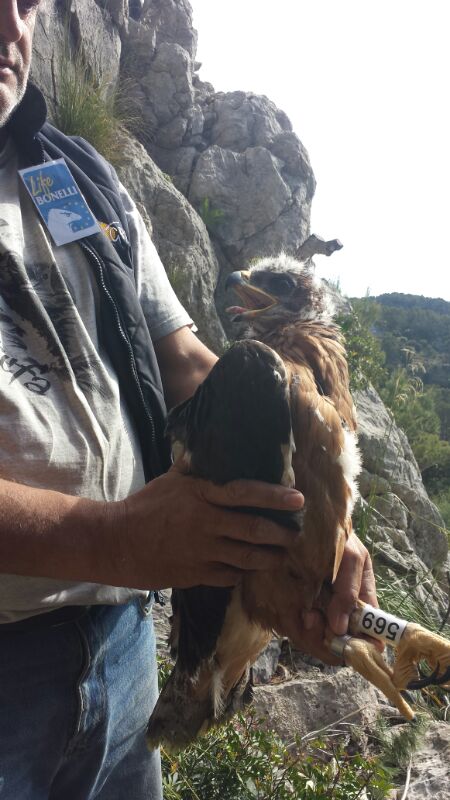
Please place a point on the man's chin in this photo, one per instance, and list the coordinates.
(10, 98)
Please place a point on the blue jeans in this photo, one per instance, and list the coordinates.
(74, 705)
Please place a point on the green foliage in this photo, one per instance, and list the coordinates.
(244, 761)
(364, 354)
(414, 410)
(413, 336)
(210, 216)
(423, 326)
(442, 405)
(408, 301)
(91, 108)
(433, 456)
(442, 500)
(399, 391)
(398, 745)
(397, 596)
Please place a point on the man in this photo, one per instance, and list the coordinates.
(81, 423)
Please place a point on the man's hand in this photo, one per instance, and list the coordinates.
(182, 531)
(355, 580)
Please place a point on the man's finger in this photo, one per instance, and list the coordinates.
(368, 591)
(354, 580)
(246, 557)
(256, 530)
(252, 493)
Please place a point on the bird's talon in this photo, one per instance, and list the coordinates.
(430, 680)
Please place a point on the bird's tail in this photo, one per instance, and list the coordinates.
(190, 705)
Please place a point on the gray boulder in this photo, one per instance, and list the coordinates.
(387, 454)
(180, 237)
(231, 182)
(430, 774)
(314, 700)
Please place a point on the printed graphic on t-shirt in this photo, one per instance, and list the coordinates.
(38, 316)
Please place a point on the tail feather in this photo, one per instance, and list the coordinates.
(188, 706)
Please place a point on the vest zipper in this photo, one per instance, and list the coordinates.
(93, 257)
(44, 157)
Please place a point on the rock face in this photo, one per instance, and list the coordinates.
(233, 155)
(401, 497)
(430, 775)
(221, 178)
(314, 700)
(64, 27)
(180, 237)
(401, 526)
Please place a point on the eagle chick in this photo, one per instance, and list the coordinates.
(278, 410)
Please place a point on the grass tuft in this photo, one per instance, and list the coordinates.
(92, 108)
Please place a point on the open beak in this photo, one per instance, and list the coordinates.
(254, 300)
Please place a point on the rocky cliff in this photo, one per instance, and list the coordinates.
(221, 178)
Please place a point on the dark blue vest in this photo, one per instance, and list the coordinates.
(123, 329)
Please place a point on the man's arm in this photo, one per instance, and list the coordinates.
(177, 531)
(184, 362)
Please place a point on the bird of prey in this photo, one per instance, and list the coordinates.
(276, 407)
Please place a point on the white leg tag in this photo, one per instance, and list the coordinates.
(377, 623)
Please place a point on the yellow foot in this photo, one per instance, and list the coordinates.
(364, 657)
(417, 644)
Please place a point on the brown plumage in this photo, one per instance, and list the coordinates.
(219, 633)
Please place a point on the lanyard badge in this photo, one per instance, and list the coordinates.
(59, 201)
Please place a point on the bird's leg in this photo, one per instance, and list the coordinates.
(413, 644)
(364, 657)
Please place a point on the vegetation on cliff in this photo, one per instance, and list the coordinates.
(401, 344)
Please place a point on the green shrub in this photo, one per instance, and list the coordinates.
(442, 501)
(364, 355)
(398, 745)
(423, 412)
(244, 761)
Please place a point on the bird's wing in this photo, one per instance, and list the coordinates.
(320, 349)
(236, 426)
(326, 461)
(325, 464)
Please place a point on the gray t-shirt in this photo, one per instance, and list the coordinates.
(63, 422)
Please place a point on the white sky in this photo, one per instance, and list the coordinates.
(366, 86)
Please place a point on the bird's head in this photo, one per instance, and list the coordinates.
(277, 290)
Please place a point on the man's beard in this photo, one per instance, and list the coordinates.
(12, 53)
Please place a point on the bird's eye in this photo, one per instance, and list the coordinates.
(257, 278)
(280, 284)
